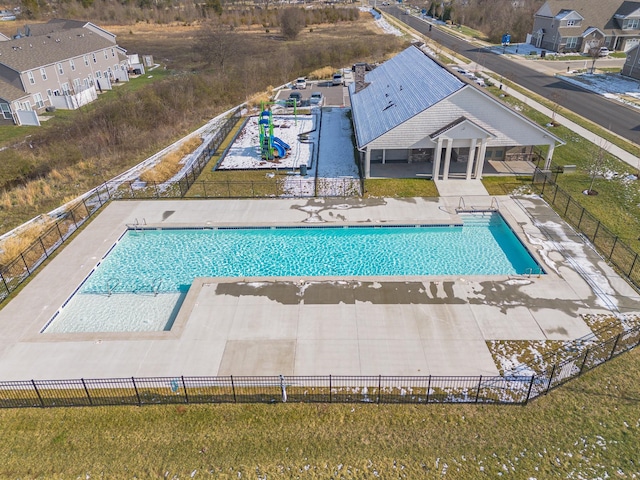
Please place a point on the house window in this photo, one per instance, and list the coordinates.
(59, 67)
(95, 60)
(65, 88)
(571, 23)
(631, 24)
(86, 60)
(37, 98)
(113, 52)
(72, 65)
(98, 74)
(6, 111)
(43, 72)
(76, 84)
(572, 42)
(85, 83)
(105, 55)
(49, 92)
(32, 80)
(26, 106)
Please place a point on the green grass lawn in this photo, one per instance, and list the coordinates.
(589, 428)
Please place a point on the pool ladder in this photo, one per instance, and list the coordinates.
(137, 226)
(462, 206)
(112, 285)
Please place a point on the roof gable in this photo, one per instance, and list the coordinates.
(458, 129)
(569, 15)
(399, 89)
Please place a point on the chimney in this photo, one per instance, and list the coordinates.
(358, 74)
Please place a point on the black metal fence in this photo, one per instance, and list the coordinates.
(621, 255)
(510, 389)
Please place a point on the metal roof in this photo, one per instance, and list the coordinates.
(399, 89)
(27, 53)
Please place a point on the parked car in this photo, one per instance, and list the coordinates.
(295, 99)
(316, 99)
(338, 79)
(604, 51)
(301, 83)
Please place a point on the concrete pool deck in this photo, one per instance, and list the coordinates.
(317, 326)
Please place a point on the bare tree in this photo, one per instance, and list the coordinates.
(595, 165)
(594, 51)
(218, 43)
(292, 21)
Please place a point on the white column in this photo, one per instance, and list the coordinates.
(436, 162)
(367, 163)
(447, 159)
(480, 162)
(472, 156)
(547, 163)
(384, 156)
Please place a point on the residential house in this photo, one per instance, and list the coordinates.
(61, 64)
(631, 67)
(413, 112)
(579, 25)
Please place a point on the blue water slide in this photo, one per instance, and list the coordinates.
(278, 148)
(278, 141)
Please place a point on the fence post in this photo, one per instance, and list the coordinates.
(615, 240)
(584, 361)
(37, 393)
(233, 389)
(544, 184)
(86, 208)
(553, 202)
(633, 264)
(479, 385)
(25, 263)
(155, 188)
(135, 387)
(46, 255)
(184, 386)
(4, 281)
(526, 400)
(330, 392)
(86, 390)
(615, 344)
(580, 219)
(428, 388)
(59, 232)
(567, 207)
(379, 384)
(553, 370)
(596, 232)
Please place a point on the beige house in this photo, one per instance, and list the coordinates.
(62, 64)
(578, 25)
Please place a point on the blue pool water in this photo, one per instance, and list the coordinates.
(142, 281)
(168, 260)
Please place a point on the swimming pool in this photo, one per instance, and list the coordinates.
(162, 263)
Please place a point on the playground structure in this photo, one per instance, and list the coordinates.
(270, 145)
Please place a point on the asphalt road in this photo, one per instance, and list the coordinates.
(624, 121)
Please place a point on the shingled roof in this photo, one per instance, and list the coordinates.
(596, 13)
(27, 53)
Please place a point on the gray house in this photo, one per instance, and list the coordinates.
(413, 110)
(61, 64)
(631, 67)
(578, 25)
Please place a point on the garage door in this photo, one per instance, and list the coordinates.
(630, 43)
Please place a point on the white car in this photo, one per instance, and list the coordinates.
(316, 99)
(338, 79)
(301, 83)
